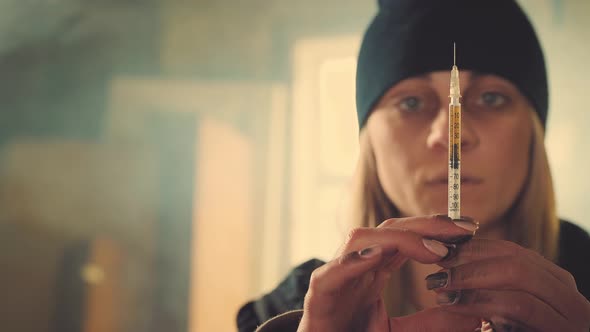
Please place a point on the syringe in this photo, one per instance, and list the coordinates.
(454, 183)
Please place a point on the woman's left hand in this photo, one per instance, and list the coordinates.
(512, 287)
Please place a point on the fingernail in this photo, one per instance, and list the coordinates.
(437, 280)
(435, 247)
(442, 216)
(448, 298)
(466, 224)
(369, 252)
(463, 222)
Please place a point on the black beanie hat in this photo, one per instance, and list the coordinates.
(412, 37)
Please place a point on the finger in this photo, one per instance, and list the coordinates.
(479, 249)
(440, 227)
(513, 273)
(520, 307)
(397, 242)
(378, 242)
(336, 274)
(393, 262)
(332, 286)
(435, 320)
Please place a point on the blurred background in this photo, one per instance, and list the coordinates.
(163, 162)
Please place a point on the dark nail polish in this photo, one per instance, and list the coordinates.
(458, 239)
(368, 252)
(448, 298)
(437, 280)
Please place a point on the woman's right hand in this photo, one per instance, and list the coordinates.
(345, 293)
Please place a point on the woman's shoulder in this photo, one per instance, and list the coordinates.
(570, 229)
(287, 296)
(574, 254)
(574, 242)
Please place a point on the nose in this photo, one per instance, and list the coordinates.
(438, 137)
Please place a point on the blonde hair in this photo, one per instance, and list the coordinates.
(533, 222)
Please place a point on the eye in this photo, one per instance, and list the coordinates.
(411, 103)
(492, 99)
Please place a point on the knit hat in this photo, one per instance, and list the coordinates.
(413, 37)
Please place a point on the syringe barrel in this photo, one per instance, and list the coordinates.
(454, 180)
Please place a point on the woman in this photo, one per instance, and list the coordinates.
(513, 263)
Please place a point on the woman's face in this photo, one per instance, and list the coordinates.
(408, 130)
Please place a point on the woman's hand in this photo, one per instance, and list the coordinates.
(345, 293)
(514, 288)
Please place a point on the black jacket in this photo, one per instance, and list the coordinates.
(574, 256)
